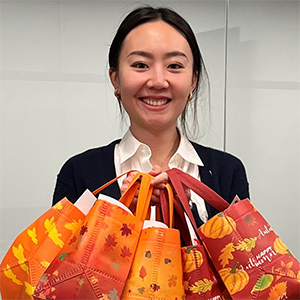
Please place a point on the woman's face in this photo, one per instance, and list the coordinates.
(155, 75)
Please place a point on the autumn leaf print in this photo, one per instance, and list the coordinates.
(226, 254)
(58, 206)
(246, 244)
(201, 286)
(125, 252)
(45, 264)
(62, 256)
(80, 281)
(116, 265)
(172, 281)
(10, 275)
(29, 289)
(262, 283)
(278, 291)
(125, 230)
(109, 210)
(110, 242)
(74, 225)
(53, 234)
(141, 290)
(167, 261)
(143, 272)
(113, 295)
(94, 280)
(285, 269)
(104, 225)
(148, 254)
(19, 255)
(155, 287)
(32, 235)
(83, 229)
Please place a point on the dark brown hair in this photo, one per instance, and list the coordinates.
(147, 14)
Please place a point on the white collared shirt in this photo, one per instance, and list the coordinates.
(130, 154)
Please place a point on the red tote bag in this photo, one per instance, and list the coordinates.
(252, 261)
(201, 280)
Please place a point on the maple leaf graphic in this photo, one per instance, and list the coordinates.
(109, 210)
(155, 287)
(172, 281)
(126, 230)
(110, 242)
(113, 295)
(125, 252)
(83, 229)
(141, 290)
(104, 226)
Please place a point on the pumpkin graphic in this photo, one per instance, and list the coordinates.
(218, 226)
(280, 247)
(234, 279)
(190, 257)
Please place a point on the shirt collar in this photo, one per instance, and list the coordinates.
(187, 151)
(129, 146)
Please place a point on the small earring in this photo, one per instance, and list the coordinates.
(117, 94)
(190, 97)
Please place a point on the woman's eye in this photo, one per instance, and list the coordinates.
(139, 65)
(175, 66)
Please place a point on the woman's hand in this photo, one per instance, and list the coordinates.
(158, 183)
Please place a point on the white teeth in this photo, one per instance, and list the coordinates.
(155, 102)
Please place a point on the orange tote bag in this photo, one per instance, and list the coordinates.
(156, 272)
(35, 248)
(96, 259)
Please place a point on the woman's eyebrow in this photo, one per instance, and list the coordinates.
(176, 53)
(140, 53)
(149, 55)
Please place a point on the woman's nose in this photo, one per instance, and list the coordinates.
(158, 79)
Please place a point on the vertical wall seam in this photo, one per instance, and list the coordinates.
(225, 75)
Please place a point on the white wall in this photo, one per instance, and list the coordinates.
(56, 99)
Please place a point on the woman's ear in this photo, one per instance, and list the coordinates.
(113, 75)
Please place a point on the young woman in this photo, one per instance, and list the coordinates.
(156, 70)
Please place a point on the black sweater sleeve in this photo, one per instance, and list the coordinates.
(88, 170)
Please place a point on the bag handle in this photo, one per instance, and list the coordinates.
(141, 181)
(167, 208)
(101, 188)
(178, 178)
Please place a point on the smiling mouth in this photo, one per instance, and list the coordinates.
(155, 102)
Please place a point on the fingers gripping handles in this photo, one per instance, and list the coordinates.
(141, 181)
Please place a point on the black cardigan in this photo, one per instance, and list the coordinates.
(222, 172)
